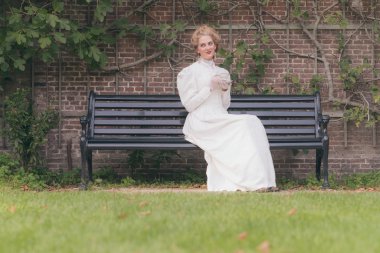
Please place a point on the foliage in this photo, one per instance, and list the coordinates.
(205, 6)
(355, 114)
(304, 88)
(128, 181)
(297, 10)
(106, 174)
(26, 129)
(336, 18)
(356, 181)
(253, 57)
(162, 156)
(352, 76)
(136, 159)
(36, 178)
(8, 166)
(42, 30)
(362, 180)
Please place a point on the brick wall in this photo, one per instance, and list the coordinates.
(357, 154)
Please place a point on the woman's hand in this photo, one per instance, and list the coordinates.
(224, 85)
(218, 83)
(215, 80)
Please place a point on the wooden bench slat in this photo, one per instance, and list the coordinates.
(146, 131)
(120, 113)
(155, 122)
(140, 105)
(180, 122)
(234, 98)
(178, 105)
(176, 131)
(285, 131)
(183, 113)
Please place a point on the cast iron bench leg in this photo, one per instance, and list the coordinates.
(325, 184)
(318, 163)
(326, 163)
(89, 164)
(84, 175)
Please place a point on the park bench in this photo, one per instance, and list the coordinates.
(130, 122)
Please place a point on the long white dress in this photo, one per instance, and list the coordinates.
(236, 146)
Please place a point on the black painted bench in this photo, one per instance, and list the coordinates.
(116, 122)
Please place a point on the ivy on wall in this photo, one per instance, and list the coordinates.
(42, 30)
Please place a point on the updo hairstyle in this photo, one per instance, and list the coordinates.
(205, 30)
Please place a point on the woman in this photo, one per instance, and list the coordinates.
(236, 146)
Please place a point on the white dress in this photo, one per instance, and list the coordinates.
(236, 146)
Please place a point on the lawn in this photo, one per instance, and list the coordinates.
(109, 221)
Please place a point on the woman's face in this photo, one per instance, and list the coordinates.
(206, 47)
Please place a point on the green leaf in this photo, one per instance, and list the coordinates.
(222, 52)
(102, 8)
(44, 42)
(31, 10)
(52, 20)
(95, 53)
(58, 5)
(78, 37)
(81, 53)
(64, 24)
(46, 56)
(179, 26)
(295, 79)
(32, 33)
(4, 66)
(14, 19)
(241, 48)
(19, 64)
(96, 30)
(265, 38)
(164, 29)
(59, 37)
(239, 65)
(20, 38)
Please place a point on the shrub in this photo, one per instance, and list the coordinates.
(26, 129)
(8, 166)
(106, 174)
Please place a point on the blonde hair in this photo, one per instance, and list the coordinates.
(202, 31)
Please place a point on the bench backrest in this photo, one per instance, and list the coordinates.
(118, 116)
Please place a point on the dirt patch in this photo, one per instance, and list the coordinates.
(156, 190)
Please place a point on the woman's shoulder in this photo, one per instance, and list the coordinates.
(187, 70)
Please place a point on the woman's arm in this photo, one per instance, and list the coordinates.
(226, 94)
(190, 96)
(226, 97)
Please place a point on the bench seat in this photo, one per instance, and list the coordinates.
(117, 122)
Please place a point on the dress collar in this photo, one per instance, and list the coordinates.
(209, 63)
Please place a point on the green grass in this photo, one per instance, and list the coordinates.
(104, 221)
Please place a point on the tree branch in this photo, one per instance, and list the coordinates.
(374, 109)
(140, 8)
(323, 58)
(295, 53)
(140, 61)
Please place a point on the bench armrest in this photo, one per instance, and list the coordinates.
(325, 121)
(84, 122)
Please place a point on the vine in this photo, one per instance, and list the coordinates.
(42, 30)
